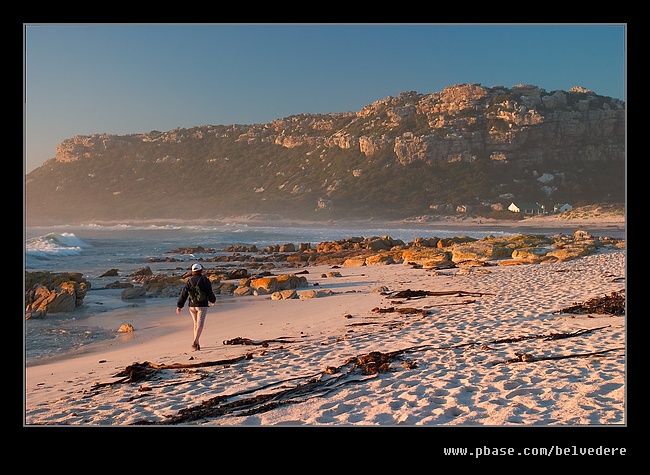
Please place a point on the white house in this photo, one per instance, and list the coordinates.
(562, 207)
(528, 209)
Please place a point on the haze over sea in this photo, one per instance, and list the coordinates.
(93, 249)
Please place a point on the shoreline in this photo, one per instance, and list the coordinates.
(453, 382)
(110, 319)
(544, 224)
(99, 300)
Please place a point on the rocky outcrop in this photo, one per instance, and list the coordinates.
(466, 120)
(47, 292)
(62, 292)
(270, 285)
(326, 158)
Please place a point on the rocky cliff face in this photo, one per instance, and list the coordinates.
(414, 147)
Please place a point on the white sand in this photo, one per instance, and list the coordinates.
(455, 375)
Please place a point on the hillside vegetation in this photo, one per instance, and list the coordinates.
(466, 150)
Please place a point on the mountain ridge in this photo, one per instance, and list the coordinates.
(466, 149)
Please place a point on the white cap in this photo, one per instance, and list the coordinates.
(196, 267)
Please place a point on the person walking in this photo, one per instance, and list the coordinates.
(199, 308)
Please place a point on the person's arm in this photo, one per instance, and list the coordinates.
(180, 303)
(212, 299)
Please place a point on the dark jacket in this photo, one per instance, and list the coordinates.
(204, 283)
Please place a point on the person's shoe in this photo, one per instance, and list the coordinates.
(196, 347)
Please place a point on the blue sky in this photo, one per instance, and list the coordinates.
(83, 79)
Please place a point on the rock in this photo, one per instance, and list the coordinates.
(51, 301)
(143, 271)
(580, 234)
(53, 292)
(380, 260)
(119, 285)
(242, 290)
(134, 293)
(427, 256)
(109, 273)
(264, 285)
(61, 292)
(284, 295)
(126, 328)
(354, 262)
(312, 294)
(291, 281)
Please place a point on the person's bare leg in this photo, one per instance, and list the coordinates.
(198, 317)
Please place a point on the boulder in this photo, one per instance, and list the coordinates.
(53, 292)
(312, 294)
(126, 328)
(284, 295)
(264, 285)
(109, 273)
(291, 281)
(354, 262)
(380, 260)
(427, 256)
(134, 293)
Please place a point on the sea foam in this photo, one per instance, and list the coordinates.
(54, 244)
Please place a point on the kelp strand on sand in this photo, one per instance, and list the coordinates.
(355, 370)
(612, 304)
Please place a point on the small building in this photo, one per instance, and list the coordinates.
(527, 209)
(562, 207)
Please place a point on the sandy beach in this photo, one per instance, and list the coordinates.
(487, 347)
(486, 357)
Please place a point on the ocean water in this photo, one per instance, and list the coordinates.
(93, 249)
